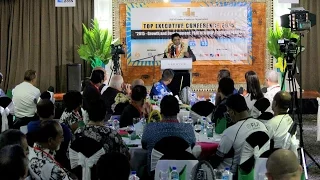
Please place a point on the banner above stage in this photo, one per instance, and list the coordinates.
(214, 31)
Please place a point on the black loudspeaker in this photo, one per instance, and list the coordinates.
(74, 77)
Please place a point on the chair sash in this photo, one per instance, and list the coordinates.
(156, 155)
(4, 113)
(78, 159)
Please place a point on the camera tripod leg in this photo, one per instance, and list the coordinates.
(312, 158)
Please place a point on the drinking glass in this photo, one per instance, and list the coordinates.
(163, 175)
(185, 119)
(197, 129)
(136, 120)
(130, 130)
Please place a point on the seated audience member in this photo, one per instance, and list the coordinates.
(12, 137)
(96, 129)
(45, 111)
(272, 85)
(282, 121)
(42, 163)
(226, 88)
(25, 96)
(223, 73)
(283, 165)
(104, 85)
(160, 87)
(71, 115)
(122, 100)
(136, 82)
(2, 93)
(113, 166)
(13, 163)
(254, 92)
(91, 92)
(234, 137)
(169, 126)
(137, 107)
(111, 92)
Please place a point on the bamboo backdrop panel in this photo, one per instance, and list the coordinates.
(205, 72)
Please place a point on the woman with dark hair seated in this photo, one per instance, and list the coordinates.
(113, 166)
(138, 108)
(71, 116)
(254, 92)
(169, 126)
(96, 129)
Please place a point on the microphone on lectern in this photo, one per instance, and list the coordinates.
(173, 49)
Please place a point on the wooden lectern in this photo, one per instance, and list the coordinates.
(182, 68)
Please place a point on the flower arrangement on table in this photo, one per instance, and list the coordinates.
(96, 47)
(274, 35)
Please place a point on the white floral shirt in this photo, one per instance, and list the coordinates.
(42, 165)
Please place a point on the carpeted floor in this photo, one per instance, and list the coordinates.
(311, 145)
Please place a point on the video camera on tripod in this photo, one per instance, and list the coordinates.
(290, 48)
(116, 50)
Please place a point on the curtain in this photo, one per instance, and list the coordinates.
(311, 56)
(39, 36)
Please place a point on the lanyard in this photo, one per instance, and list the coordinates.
(49, 156)
(95, 86)
(138, 108)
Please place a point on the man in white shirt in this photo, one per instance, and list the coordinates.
(25, 96)
(272, 85)
(281, 122)
(234, 145)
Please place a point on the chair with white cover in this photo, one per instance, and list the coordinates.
(84, 154)
(6, 112)
(166, 146)
(256, 144)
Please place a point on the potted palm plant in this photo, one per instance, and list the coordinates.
(274, 35)
(96, 47)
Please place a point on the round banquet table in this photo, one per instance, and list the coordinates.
(205, 147)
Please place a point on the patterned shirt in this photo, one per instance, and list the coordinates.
(69, 118)
(43, 166)
(109, 138)
(154, 132)
(159, 88)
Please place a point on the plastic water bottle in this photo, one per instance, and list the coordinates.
(116, 124)
(204, 125)
(210, 130)
(133, 176)
(174, 175)
(193, 99)
(227, 175)
(213, 98)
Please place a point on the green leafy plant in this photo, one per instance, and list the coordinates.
(96, 47)
(274, 35)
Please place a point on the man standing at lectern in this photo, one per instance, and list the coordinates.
(178, 49)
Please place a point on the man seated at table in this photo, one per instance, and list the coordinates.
(220, 118)
(115, 87)
(280, 159)
(160, 87)
(169, 126)
(233, 141)
(282, 121)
